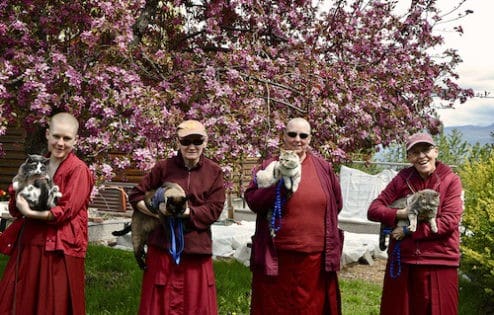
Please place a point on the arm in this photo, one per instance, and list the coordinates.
(260, 200)
(449, 216)
(336, 189)
(23, 207)
(379, 210)
(203, 215)
(150, 181)
(76, 186)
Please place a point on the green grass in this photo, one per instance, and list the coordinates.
(113, 283)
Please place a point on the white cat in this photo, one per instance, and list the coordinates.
(288, 166)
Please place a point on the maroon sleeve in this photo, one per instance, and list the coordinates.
(76, 191)
(150, 181)
(205, 214)
(260, 200)
(379, 210)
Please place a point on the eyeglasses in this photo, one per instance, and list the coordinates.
(293, 134)
(416, 153)
(187, 142)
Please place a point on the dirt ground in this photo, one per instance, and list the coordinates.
(372, 273)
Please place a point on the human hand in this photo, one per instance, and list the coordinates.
(398, 233)
(22, 205)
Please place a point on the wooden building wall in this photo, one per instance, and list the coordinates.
(13, 143)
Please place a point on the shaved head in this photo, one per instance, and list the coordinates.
(65, 119)
(298, 121)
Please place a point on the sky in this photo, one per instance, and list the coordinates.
(476, 48)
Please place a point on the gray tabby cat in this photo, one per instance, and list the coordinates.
(422, 206)
(288, 166)
(35, 185)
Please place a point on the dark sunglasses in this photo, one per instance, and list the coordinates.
(187, 142)
(302, 135)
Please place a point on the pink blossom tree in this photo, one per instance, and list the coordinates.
(361, 73)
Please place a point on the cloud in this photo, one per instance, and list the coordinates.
(477, 69)
(476, 111)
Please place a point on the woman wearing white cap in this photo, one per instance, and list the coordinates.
(176, 282)
(422, 277)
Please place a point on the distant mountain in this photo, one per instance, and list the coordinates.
(474, 134)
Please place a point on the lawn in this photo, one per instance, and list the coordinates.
(113, 285)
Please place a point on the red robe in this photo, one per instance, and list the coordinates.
(45, 272)
(428, 282)
(295, 272)
(187, 288)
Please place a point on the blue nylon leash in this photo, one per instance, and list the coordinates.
(395, 258)
(275, 223)
(176, 241)
(175, 225)
(158, 198)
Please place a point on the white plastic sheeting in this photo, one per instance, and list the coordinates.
(359, 189)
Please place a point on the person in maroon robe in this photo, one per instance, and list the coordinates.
(176, 282)
(422, 270)
(45, 272)
(295, 271)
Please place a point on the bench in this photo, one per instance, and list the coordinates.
(112, 197)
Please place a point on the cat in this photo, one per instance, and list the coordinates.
(34, 184)
(421, 206)
(287, 167)
(174, 201)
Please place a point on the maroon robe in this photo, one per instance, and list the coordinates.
(45, 272)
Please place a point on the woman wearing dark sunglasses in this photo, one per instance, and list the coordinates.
(183, 282)
(295, 271)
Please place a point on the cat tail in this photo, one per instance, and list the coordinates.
(127, 229)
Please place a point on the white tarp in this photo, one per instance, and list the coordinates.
(359, 189)
(232, 241)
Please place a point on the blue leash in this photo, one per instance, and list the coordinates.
(395, 258)
(177, 242)
(275, 223)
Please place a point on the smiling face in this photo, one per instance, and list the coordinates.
(423, 157)
(61, 136)
(297, 136)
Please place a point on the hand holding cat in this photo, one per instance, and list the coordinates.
(398, 233)
(23, 207)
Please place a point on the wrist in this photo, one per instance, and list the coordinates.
(406, 231)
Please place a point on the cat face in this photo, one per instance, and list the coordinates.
(35, 165)
(426, 203)
(176, 205)
(174, 199)
(289, 159)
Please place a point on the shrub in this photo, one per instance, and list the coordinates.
(478, 221)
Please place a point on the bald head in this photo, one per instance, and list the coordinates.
(298, 122)
(65, 119)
